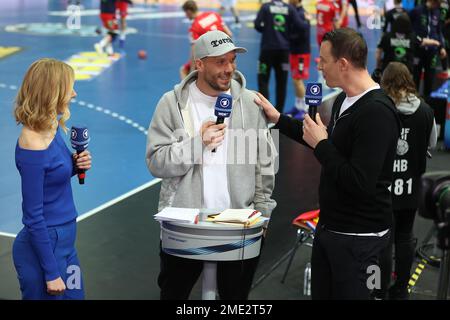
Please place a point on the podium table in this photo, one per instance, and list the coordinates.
(211, 242)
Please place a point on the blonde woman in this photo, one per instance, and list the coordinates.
(44, 250)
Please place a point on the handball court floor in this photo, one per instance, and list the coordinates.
(118, 240)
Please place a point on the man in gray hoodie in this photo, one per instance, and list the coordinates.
(181, 137)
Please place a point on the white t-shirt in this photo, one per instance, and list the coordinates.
(215, 180)
(349, 101)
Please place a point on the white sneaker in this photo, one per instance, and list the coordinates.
(98, 48)
(109, 50)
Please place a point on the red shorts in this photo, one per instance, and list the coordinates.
(109, 21)
(300, 65)
(122, 7)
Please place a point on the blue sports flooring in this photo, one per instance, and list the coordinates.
(117, 104)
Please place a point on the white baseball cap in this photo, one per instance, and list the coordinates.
(213, 44)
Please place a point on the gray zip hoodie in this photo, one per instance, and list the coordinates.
(174, 151)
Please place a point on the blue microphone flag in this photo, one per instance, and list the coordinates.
(79, 138)
(313, 95)
(222, 108)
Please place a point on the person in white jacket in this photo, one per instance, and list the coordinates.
(182, 134)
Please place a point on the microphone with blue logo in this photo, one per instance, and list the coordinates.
(79, 138)
(313, 98)
(222, 108)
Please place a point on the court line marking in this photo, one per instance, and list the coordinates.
(106, 111)
(8, 235)
(118, 199)
(105, 205)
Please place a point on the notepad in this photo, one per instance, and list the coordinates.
(238, 216)
(178, 214)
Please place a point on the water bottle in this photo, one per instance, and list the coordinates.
(307, 280)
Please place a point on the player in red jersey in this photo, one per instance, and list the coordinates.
(342, 22)
(202, 23)
(327, 15)
(108, 17)
(122, 10)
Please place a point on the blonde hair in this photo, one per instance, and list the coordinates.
(45, 92)
(397, 81)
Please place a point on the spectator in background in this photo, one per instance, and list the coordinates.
(276, 21)
(202, 23)
(400, 44)
(417, 135)
(392, 15)
(426, 22)
(300, 57)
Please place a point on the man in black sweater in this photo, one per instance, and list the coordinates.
(357, 153)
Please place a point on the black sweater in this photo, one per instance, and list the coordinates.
(357, 160)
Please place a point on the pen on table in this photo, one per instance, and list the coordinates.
(253, 213)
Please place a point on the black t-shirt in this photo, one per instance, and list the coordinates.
(399, 48)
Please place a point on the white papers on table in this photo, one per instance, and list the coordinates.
(178, 214)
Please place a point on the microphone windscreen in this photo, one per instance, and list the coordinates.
(222, 108)
(79, 138)
(313, 96)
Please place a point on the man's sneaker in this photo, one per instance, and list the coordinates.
(236, 25)
(98, 48)
(109, 50)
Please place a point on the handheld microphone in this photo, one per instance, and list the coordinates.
(79, 138)
(313, 98)
(222, 108)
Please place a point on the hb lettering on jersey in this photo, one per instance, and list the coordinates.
(400, 165)
(216, 43)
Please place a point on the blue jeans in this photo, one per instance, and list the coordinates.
(30, 273)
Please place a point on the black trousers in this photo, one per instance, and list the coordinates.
(279, 61)
(340, 264)
(178, 276)
(405, 246)
(427, 61)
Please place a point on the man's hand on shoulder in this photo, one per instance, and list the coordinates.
(271, 113)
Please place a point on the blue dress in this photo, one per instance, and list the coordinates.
(44, 249)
